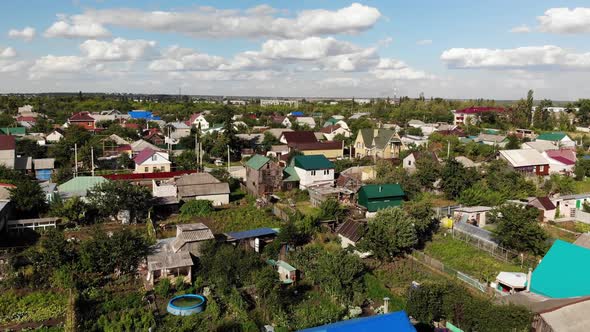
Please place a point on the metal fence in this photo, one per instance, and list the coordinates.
(438, 265)
(446, 210)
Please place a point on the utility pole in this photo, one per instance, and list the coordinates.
(75, 159)
(228, 159)
(449, 150)
(92, 160)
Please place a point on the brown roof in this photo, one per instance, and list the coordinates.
(7, 142)
(300, 137)
(317, 146)
(82, 116)
(546, 203)
(329, 129)
(352, 230)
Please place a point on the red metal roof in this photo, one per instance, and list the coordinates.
(480, 109)
(329, 129)
(144, 155)
(7, 142)
(81, 117)
(26, 118)
(564, 160)
(147, 176)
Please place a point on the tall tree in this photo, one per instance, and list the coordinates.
(456, 178)
(390, 234)
(109, 198)
(518, 229)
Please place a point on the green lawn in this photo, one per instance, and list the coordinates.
(466, 258)
(242, 218)
(307, 209)
(582, 186)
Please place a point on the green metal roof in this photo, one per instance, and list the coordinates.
(563, 272)
(554, 137)
(80, 184)
(257, 161)
(286, 266)
(332, 121)
(382, 190)
(312, 162)
(13, 130)
(289, 174)
(380, 196)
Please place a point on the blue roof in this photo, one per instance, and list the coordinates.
(563, 272)
(142, 114)
(297, 113)
(251, 233)
(586, 157)
(396, 321)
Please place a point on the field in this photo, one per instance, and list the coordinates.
(464, 257)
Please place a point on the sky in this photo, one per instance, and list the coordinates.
(454, 48)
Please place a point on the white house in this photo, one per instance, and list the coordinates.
(55, 136)
(409, 162)
(150, 161)
(198, 120)
(313, 170)
(330, 132)
(305, 121)
(561, 161)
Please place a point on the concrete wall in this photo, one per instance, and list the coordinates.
(216, 200)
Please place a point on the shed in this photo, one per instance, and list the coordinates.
(350, 232)
(43, 168)
(253, 238)
(380, 196)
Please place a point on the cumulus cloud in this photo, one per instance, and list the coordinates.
(50, 64)
(339, 82)
(178, 58)
(521, 29)
(77, 27)
(311, 48)
(7, 52)
(533, 57)
(256, 22)
(393, 69)
(11, 66)
(565, 20)
(118, 50)
(424, 42)
(27, 34)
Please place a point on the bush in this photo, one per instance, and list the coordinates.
(197, 208)
(179, 284)
(162, 289)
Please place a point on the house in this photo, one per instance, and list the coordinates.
(320, 194)
(290, 178)
(277, 151)
(374, 197)
(540, 146)
(561, 161)
(409, 162)
(277, 102)
(331, 150)
(166, 264)
(27, 110)
(198, 121)
(330, 132)
(377, 143)
(560, 139)
(293, 137)
(55, 136)
(525, 133)
(26, 121)
(396, 321)
(191, 237)
(545, 206)
(361, 173)
(413, 140)
(7, 151)
(492, 139)
(287, 273)
(14, 131)
(178, 130)
(474, 215)
(350, 232)
(278, 132)
(143, 115)
(305, 121)
(263, 176)
(140, 145)
(526, 161)
(155, 136)
(82, 119)
(281, 120)
(151, 161)
(79, 186)
(44, 168)
(336, 120)
(568, 317)
(313, 170)
(202, 186)
(112, 143)
(254, 239)
(563, 272)
(472, 115)
(568, 204)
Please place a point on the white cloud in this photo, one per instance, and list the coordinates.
(312, 48)
(7, 52)
(79, 27)
(521, 29)
(533, 57)
(12, 66)
(393, 69)
(185, 59)
(27, 34)
(424, 42)
(57, 64)
(217, 23)
(565, 20)
(118, 50)
(339, 82)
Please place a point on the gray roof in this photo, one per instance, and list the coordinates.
(378, 138)
(141, 145)
(45, 163)
(583, 240)
(277, 132)
(117, 139)
(466, 162)
(195, 179)
(472, 209)
(179, 125)
(203, 190)
(169, 260)
(191, 236)
(570, 318)
(474, 230)
(540, 146)
(524, 157)
(490, 138)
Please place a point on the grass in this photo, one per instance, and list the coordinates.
(466, 258)
(307, 209)
(242, 217)
(581, 187)
(559, 232)
(32, 307)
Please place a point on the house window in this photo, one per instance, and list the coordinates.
(154, 158)
(326, 172)
(312, 173)
(146, 169)
(409, 163)
(163, 168)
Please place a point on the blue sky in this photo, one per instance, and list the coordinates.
(458, 49)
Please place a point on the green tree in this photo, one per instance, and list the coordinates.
(425, 222)
(513, 143)
(428, 171)
(518, 229)
(187, 160)
(456, 178)
(28, 197)
(71, 210)
(331, 209)
(109, 198)
(124, 161)
(390, 234)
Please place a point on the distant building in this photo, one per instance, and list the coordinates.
(198, 121)
(472, 115)
(526, 161)
(306, 121)
(178, 130)
(82, 119)
(55, 136)
(279, 102)
(377, 143)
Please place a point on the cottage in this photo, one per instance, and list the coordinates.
(150, 161)
(178, 130)
(140, 145)
(55, 136)
(350, 233)
(546, 208)
(169, 265)
(377, 143)
(330, 132)
(526, 161)
(44, 168)
(202, 186)
(198, 121)
(82, 119)
(313, 170)
(374, 197)
(560, 139)
(263, 176)
(154, 136)
(306, 121)
(410, 160)
(282, 121)
(254, 239)
(474, 215)
(287, 273)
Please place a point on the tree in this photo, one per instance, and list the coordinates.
(28, 197)
(562, 184)
(427, 171)
(30, 148)
(424, 218)
(71, 210)
(197, 208)
(390, 234)
(331, 209)
(513, 143)
(456, 178)
(109, 198)
(518, 229)
(124, 161)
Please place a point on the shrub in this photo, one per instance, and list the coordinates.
(162, 289)
(197, 208)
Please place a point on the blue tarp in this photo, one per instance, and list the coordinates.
(252, 233)
(297, 113)
(396, 321)
(141, 114)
